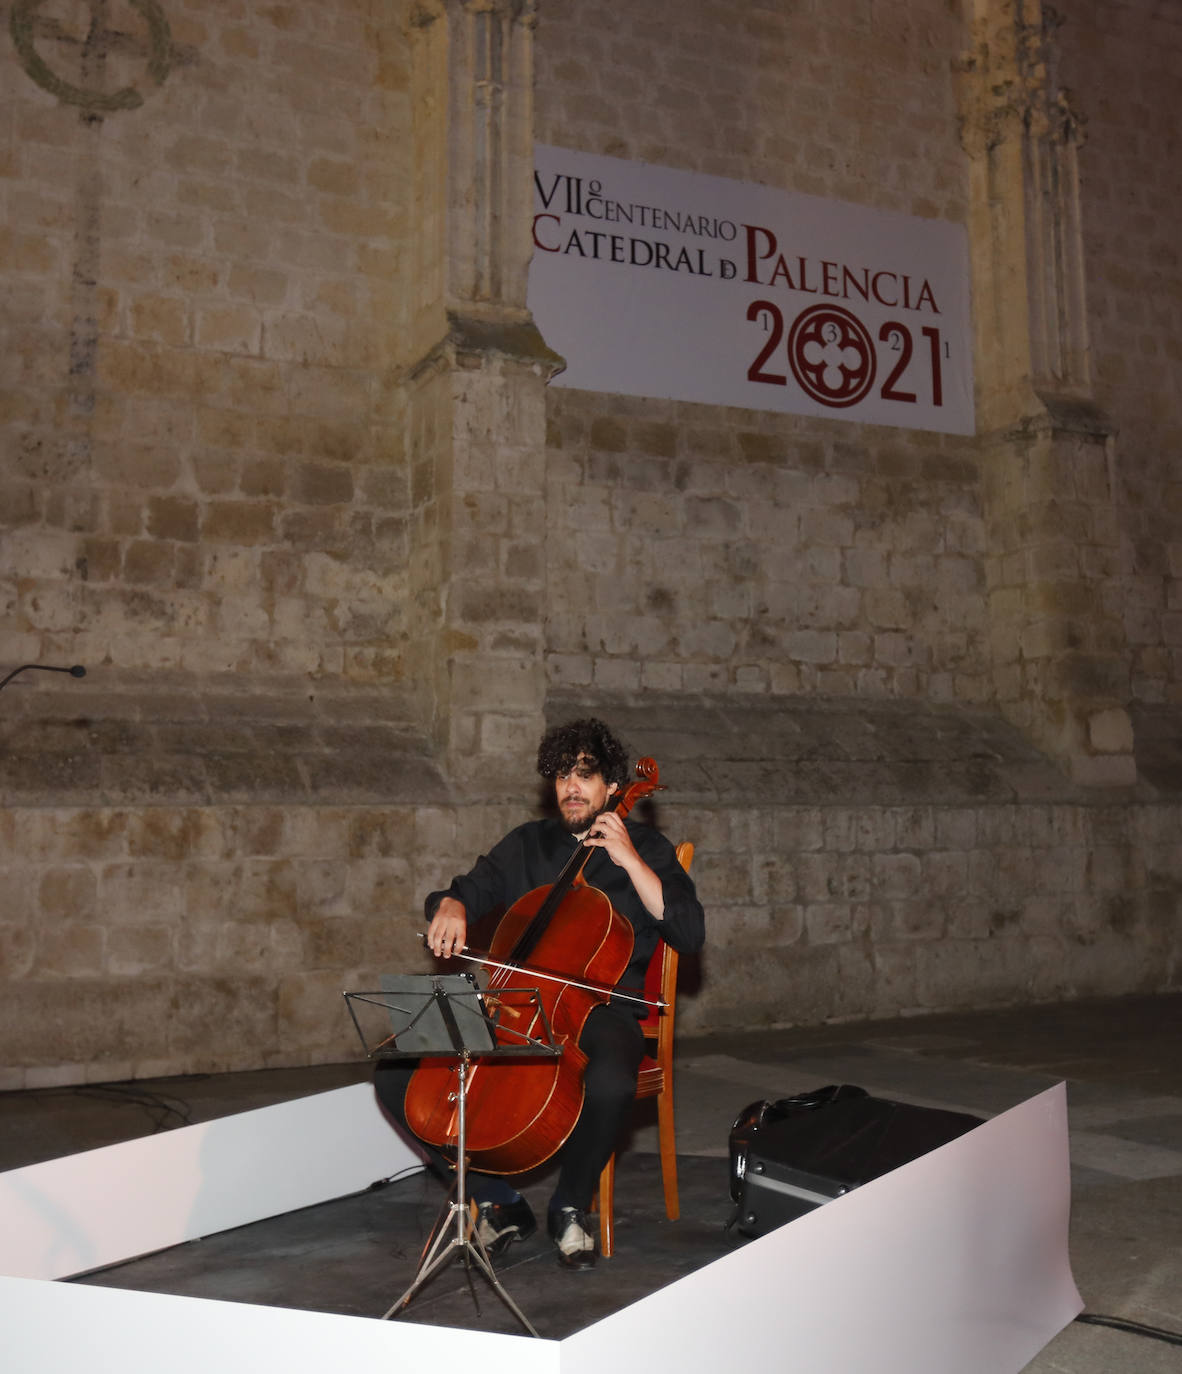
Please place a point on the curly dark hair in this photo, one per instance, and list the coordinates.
(563, 746)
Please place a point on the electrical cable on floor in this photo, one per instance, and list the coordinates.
(159, 1106)
(392, 1178)
(1133, 1328)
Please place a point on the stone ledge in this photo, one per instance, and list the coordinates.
(103, 743)
(791, 751)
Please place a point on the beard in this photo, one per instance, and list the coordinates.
(580, 825)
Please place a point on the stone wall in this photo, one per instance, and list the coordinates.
(1129, 169)
(856, 101)
(1034, 566)
(696, 548)
(203, 466)
(279, 463)
(853, 862)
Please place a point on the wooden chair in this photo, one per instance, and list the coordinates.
(655, 1079)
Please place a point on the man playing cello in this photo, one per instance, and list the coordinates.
(636, 868)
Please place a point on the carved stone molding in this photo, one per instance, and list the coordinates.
(474, 374)
(1060, 659)
(1023, 132)
(472, 94)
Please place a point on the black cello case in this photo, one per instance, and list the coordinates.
(793, 1155)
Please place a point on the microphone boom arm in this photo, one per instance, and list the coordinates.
(76, 671)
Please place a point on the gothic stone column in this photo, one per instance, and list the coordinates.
(475, 384)
(1061, 661)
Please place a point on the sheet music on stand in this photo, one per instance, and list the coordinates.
(419, 1014)
(444, 1016)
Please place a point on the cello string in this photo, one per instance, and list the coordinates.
(479, 958)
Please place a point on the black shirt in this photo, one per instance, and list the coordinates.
(534, 855)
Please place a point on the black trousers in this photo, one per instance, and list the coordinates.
(614, 1046)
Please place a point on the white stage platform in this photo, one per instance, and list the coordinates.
(957, 1261)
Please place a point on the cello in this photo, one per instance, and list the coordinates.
(578, 945)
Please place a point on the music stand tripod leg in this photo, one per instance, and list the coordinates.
(466, 1239)
(435, 1254)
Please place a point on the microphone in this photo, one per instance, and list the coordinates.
(76, 671)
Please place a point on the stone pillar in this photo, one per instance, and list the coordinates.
(1061, 662)
(475, 380)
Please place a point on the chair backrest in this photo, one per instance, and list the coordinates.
(660, 979)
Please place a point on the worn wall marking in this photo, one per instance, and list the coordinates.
(29, 29)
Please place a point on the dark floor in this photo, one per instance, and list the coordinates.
(358, 1255)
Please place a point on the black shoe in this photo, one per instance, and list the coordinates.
(499, 1224)
(574, 1237)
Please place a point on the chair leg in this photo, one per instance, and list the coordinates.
(607, 1191)
(668, 1143)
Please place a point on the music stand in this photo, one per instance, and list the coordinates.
(445, 1016)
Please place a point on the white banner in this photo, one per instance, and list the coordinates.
(656, 282)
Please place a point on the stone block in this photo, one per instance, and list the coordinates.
(68, 893)
(915, 827)
(311, 1010)
(811, 646)
(896, 876)
(59, 1076)
(656, 438)
(918, 919)
(320, 886)
(380, 833)
(163, 319)
(608, 435)
(722, 879)
(259, 285)
(228, 329)
(616, 674)
(216, 1023)
(661, 677)
(35, 553)
(82, 834)
(816, 876)
(239, 522)
(139, 892)
(827, 923)
(569, 669)
(299, 338)
(18, 946)
(799, 829)
(149, 563)
(100, 1020)
(1111, 731)
(196, 945)
(435, 835)
(333, 177)
(383, 889)
(320, 484)
(508, 683)
(34, 253)
(750, 677)
(173, 517)
(350, 942)
(1104, 770)
(133, 950)
(894, 977)
(710, 517)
